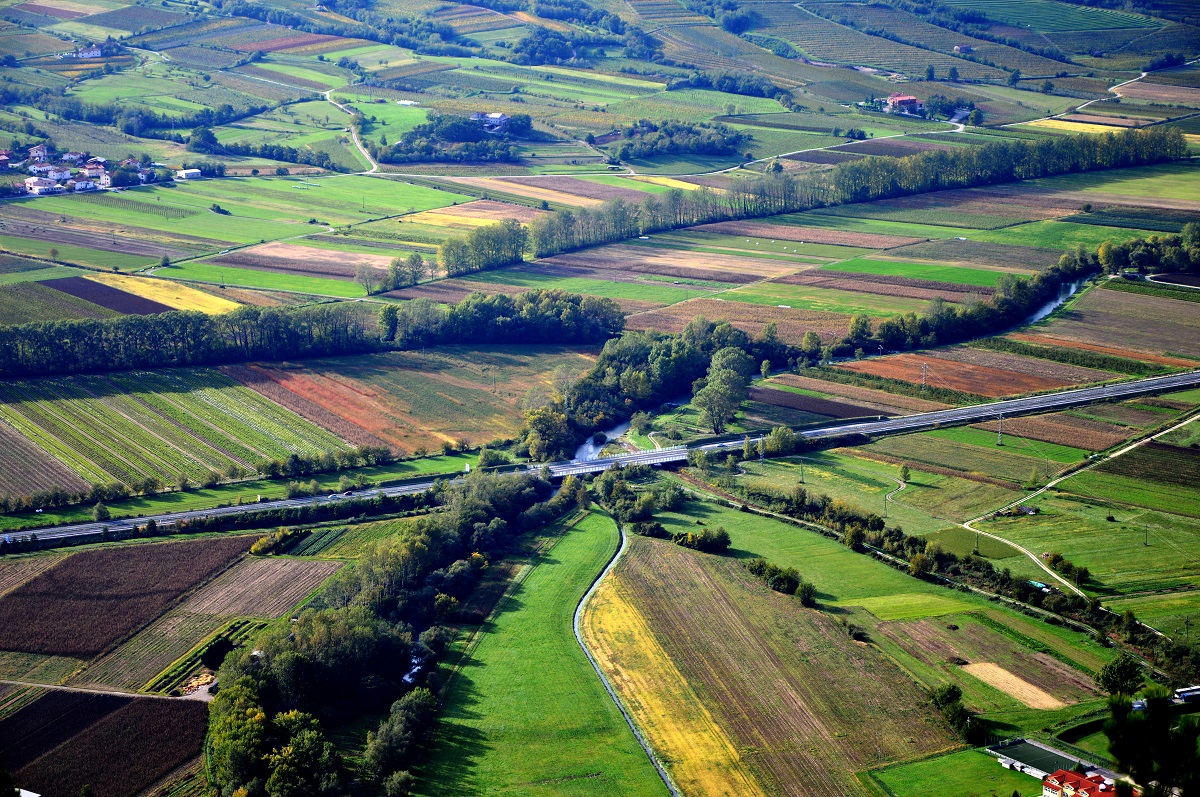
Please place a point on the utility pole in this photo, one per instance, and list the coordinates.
(1187, 621)
(923, 370)
(1000, 431)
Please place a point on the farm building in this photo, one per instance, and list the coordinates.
(41, 185)
(4, 160)
(963, 49)
(1065, 783)
(1040, 760)
(903, 103)
(492, 122)
(74, 157)
(187, 174)
(91, 51)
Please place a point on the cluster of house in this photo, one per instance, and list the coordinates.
(74, 171)
(91, 51)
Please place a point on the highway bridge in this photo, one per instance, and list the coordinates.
(885, 425)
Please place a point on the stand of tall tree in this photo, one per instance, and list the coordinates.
(487, 247)
(855, 181)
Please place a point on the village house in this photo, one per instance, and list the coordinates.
(903, 103)
(92, 170)
(91, 51)
(74, 157)
(59, 172)
(1065, 783)
(81, 184)
(97, 160)
(147, 175)
(188, 174)
(39, 153)
(41, 185)
(40, 168)
(4, 161)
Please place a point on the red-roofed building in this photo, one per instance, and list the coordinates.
(903, 103)
(1065, 783)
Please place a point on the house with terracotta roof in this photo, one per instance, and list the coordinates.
(903, 103)
(40, 185)
(1065, 783)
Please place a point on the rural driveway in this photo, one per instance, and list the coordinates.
(113, 692)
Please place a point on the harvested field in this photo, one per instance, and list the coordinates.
(1158, 462)
(993, 658)
(1161, 94)
(975, 208)
(485, 209)
(996, 676)
(979, 478)
(32, 302)
(278, 77)
(675, 263)
(422, 399)
(799, 401)
(288, 42)
(94, 598)
(1063, 430)
(1031, 366)
(136, 662)
(306, 261)
(50, 11)
(16, 570)
(894, 147)
(1136, 321)
(126, 244)
(107, 296)
(453, 290)
(988, 464)
(868, 397)
(26, 469)
(1095, 119)
(260, 381)
(168, 292)
(261, 587)
(785, 684)
(825, 156)
(885, 285)
(1115, 351)
(48, 722)
(580, 188)
(750, 318)
(500, 186)
(1122, 414)
(812, 235)
(978, 379)
(974, 253)
(125, 752)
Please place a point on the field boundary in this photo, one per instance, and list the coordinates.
(622, 546)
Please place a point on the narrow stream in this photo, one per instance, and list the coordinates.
(589, 450)
(1065, 292)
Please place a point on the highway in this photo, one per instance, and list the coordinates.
(905, 423)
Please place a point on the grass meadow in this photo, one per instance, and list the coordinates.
(215, 273)
(525, 711)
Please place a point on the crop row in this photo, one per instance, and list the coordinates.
(1159, 462)
(108, 200)
(151, 651)
(316, 541)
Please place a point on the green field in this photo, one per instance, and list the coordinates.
(970, 773)
(526, 712)
(266, 280)
(642, 291)
(968, 435)
(1015, 462)
(826, 300)
(922, 271)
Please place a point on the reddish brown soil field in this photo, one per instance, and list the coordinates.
(261, 380)
(48, 722)
(583, 188)
(453, 291)
(818, 406)
(751, 318)
(977, 379)
(107, 296)
(894, 147)
(286, 43)
(50, 11)
(25, 468)
(1190, 280)
(1031, 366)
(825, 156)
(675, 263)
(868, 397)
(277, 77)
(92, 599)
(782, 681)
(307, 261)
(812, 235)
(1159, 93)
(885, 286)
(491, 209)
(1063, 430)
(125, 752)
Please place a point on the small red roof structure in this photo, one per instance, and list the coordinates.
(1065, 783)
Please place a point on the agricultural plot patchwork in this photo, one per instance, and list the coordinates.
(164, 425)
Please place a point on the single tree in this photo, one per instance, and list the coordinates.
(53, 254)
(765, 368)
(364, 275)
(414, 266)
(929, 74)
(904, 473)
(100, 512)
(1014, 77)
(1122, 675)
(953, 74)
(166, 261)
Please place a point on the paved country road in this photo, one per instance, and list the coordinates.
(906, 423)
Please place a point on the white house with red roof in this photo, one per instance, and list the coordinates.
(1065, 783)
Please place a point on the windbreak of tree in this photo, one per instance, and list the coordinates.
(647, 139)
(350, 652)
(743, 83)
(203, 140)
(486, 247)
(855, 181)
(546, 46)
(277, 333)
(1153, 254)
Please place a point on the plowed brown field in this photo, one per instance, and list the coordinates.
(876, 399)
(261, 587)
(25, 468)
(978, 379)
(304, 260)
(812, 235)
(1065, 430)
(895, 286)
(676, 263)
(1116, 351)
(577, 187)
(1130, 320)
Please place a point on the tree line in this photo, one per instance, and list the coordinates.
(861, 180)
(448, 138)
(372, 636)
(182, 338)
(646, 139)
(1158, 253)
(491, 246)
